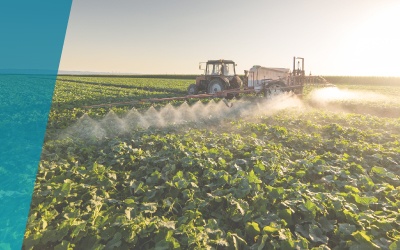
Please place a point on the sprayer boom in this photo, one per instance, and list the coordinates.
(227, 94)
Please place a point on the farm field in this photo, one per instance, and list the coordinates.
(320, 172)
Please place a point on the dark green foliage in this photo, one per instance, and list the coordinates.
(296, 179)
(286, 181)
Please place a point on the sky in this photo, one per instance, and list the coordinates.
(341, 37)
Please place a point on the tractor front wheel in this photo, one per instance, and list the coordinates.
(192, 89)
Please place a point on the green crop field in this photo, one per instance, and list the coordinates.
(319, 172)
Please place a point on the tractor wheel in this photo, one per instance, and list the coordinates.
(274, 88)
(215, 85)
(192, 89)
(236, 82)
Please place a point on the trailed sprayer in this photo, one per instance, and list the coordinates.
(221, 80)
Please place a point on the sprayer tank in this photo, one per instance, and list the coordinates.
(258, 75)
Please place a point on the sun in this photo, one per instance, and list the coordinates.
(372, 48)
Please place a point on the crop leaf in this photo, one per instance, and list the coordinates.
(378, 170)
(309, 208)
(236, 240)
(243, 188)
(363, 246)
(79, 227)
(167, 242)
(272, 228)
(154, 178)
(364, 240)
(395, 245)
(130, 202)
(220, 242)
(64, 245)
(90, 242)
(252, 229)
(346, 229)
(365, 200)
(275, 193)
(167, 224)
(303, 230)
(286, 214)
(148, 207)
(327, 225)
(29, 241)
(316, 234)
(115, 242)
(263, 242)
(352, 189)
(55, 235)
(286, 241)
(383, 172)
(253, 178)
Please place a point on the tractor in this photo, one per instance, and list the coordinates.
(219, 75)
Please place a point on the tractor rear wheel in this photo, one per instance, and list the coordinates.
(215, 85)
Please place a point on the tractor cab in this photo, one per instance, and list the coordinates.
(220, 67)
(218, 75)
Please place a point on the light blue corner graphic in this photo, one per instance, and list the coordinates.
(31, 41)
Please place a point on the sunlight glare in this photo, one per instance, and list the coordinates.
(373, 47)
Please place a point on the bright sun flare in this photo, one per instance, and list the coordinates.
(373, 47)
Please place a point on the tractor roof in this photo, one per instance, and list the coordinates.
(220, 61)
